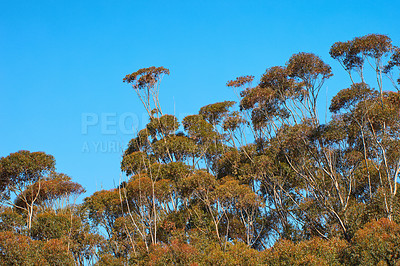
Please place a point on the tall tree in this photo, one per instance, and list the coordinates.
(21, 170)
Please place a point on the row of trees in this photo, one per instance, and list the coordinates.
(258, 182)
(40, 224)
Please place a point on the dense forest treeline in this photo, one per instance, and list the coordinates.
(260, 181)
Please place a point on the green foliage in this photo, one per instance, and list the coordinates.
(377, 242)
(349, 98)
(264, 183)
(109, 260)
(22, 168)
(311, 252)
(48, 226)
(21, 250)
(46, 192)
(352, 54)
(11, 221)
(135, 162)
(145, 76)
(103, 208)
(176, 253)
(56, 252)
(214, 113)
(162, 126)
(175, 148)
(308, 67)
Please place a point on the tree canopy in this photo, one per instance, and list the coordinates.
(255, 181)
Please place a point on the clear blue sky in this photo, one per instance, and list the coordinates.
(62, 62)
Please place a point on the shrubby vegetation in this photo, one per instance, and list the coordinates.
(261, 181)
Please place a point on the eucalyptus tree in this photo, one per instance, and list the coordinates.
(371, 115)
(21, 170)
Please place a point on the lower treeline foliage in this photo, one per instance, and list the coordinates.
(257, 182)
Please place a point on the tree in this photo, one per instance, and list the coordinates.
(21, 250)
(22, 169)
(53, 191)
(263, 177)
(145, 82)
(377, 242)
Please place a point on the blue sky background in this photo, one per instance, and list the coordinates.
(62, 61)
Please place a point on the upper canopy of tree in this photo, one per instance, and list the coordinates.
(213, 113)
(240, 81)
(308, 67)
(24, 167)
(353, 53)
(48, 190)
(145, 77)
